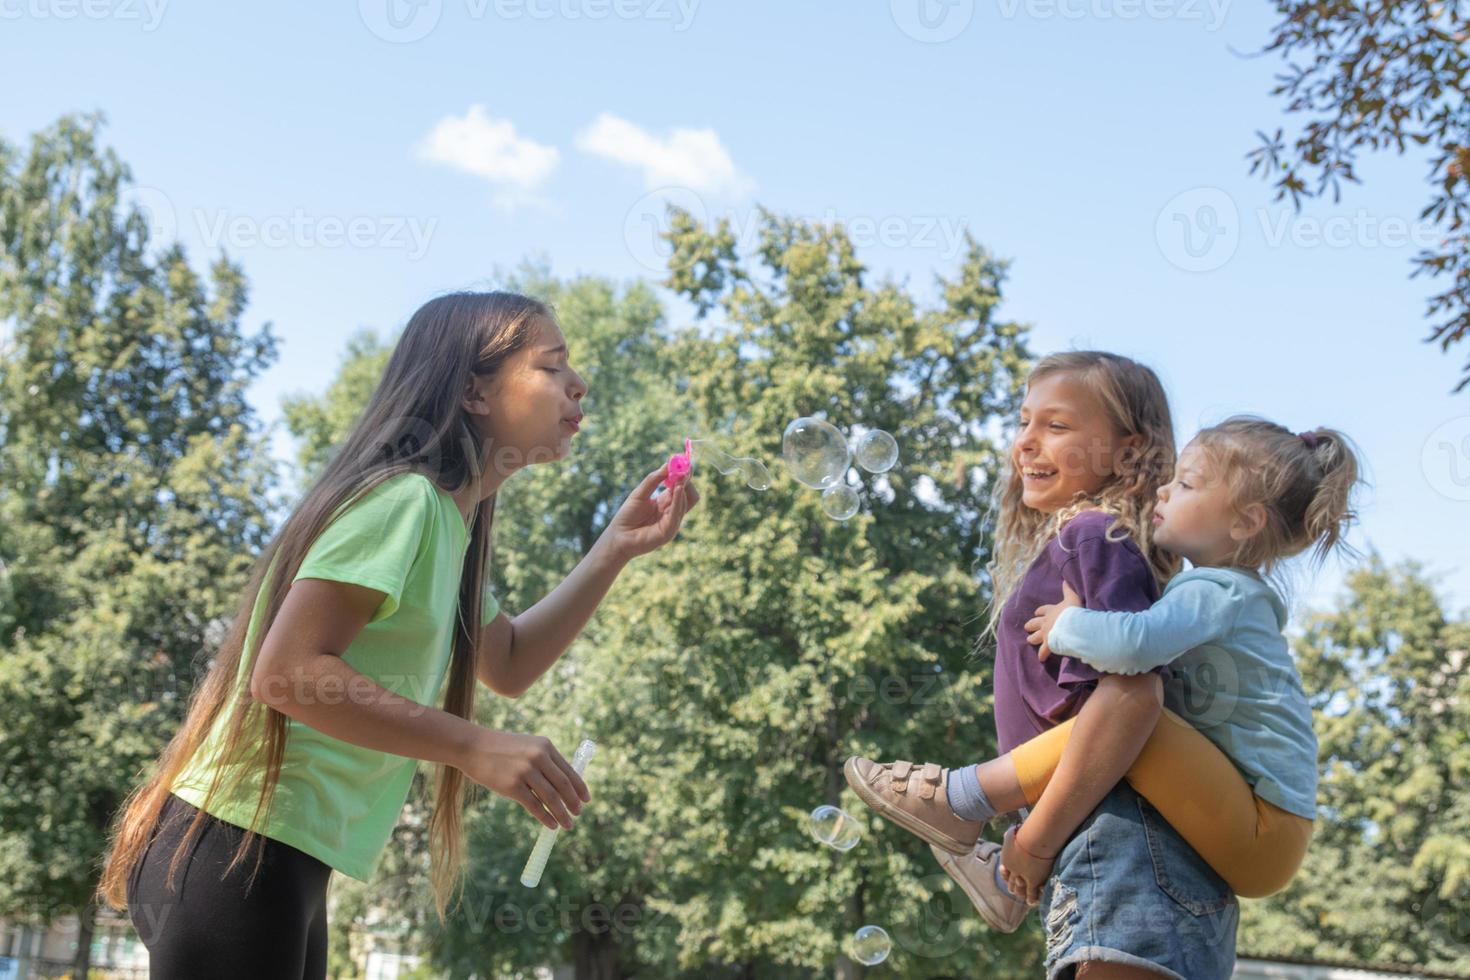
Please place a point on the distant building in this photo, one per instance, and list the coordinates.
(30, 953)
(27, 951)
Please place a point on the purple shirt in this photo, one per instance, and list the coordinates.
(1031, 696)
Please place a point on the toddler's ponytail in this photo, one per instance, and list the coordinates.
(1329, 511)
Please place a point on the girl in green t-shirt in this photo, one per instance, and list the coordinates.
(303, 736)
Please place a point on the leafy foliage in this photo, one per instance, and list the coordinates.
(1387, 878)
(1382, 74)
(133, 498)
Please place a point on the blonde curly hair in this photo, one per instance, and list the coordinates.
(1135, 403)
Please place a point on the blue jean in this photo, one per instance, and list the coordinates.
(1128, 889)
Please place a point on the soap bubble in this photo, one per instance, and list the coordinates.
(834, 827)
(751, 470)
(870, 945)
(840, 502)
(815, 452)
(757, 477)
(877, 451)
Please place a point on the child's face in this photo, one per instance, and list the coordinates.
(1194, 517)
(1065, 444)
(531, 409)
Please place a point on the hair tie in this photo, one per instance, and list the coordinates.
(1310, 438)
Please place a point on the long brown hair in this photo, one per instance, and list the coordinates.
(413, 423)
(1136, 404)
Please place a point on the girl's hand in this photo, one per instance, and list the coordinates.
(1024, 873)
(529, 770)
(646, 522)
(1038, 628)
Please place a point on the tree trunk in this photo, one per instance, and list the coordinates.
(846, 969)
(86, 926)
(595, 956)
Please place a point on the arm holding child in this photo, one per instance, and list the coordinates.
(1190, 614)
(1111, 729)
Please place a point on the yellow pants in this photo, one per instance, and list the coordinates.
(1255, 846)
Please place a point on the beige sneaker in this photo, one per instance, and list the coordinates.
(914, 798)
(975, 873)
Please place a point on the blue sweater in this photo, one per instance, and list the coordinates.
(1233, 678)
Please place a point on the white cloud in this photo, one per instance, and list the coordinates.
(692, 158)
(489, 148)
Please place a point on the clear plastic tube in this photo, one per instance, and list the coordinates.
(541, 853)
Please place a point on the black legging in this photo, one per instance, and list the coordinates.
(208, 927)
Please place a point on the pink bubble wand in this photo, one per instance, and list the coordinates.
(679, 465)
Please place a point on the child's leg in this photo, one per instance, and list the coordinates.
(981, 791)
(1255, 846)
(1002, 787)
(1001, 784)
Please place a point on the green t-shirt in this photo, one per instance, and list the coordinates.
(337, 801)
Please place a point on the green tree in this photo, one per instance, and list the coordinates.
(1390, 74)
(132, 491)
(1387, 878)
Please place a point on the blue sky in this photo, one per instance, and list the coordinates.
(357, 158)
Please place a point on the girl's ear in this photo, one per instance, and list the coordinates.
(1127, 445)
(1248, 522)
(475, 400)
